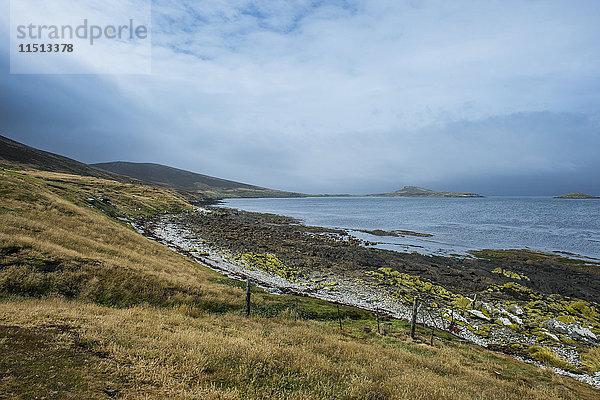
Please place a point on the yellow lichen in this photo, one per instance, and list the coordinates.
(270, 263)
(510, 274)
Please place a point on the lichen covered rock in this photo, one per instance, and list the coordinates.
(573, 331)
(515, 309)
(479, 314)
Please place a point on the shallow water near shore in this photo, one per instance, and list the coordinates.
(457, 224)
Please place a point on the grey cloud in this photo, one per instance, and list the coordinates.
(500, 97)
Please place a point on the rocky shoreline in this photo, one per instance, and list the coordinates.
(505, 300)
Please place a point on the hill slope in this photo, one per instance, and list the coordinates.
(414, 191)
(18, 155)
(91, 309)
(13, 153)
(190, 181)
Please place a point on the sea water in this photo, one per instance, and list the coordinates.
(457, 224)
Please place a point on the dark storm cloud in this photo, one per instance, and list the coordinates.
(499, 97)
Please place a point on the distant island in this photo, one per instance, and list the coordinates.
(414, 191)
(576, 195)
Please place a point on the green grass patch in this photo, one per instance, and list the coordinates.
(36, 364)
(23, 274)
(547, 357)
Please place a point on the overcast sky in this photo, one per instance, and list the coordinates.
(495, 97)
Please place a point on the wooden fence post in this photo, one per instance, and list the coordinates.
(197, 295)
(248, 298)
(296, 311)
(413, 320)
(377, 315)
(339, 316)
(432, 332)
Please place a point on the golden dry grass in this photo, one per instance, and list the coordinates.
(167, 353)
(548, 358)
(160, 346)
(591, 359)
(45, 224)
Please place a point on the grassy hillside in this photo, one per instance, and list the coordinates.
(190, 181)
(91, 309)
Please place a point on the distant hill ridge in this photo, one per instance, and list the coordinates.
(190, 181)
(18, 154)
(171, 176)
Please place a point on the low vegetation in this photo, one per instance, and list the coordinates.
(576, 195)
(91, 309)
(591, 359)
(547, 357)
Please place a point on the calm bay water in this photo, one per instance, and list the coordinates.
(457, 225)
